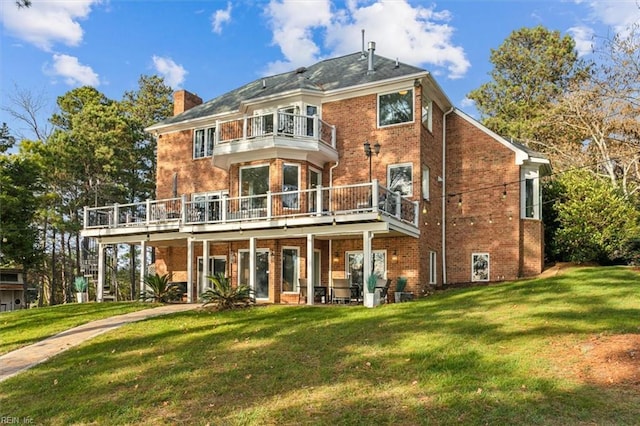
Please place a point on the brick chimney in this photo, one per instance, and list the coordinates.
(183, 100)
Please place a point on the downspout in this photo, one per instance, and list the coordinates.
(444, 195)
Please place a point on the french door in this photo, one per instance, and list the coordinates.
(261, 288)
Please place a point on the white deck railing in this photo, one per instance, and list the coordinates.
(349, 199)
(276, 124)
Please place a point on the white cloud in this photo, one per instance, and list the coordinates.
(617, 14)
(220, 17)
(583, 36)
(46, 22)
(414, 34)
(173, 73)
(467, 103)
(292, 25)
(73, 72)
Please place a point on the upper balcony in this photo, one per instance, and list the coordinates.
(368, 202)
(277, 134)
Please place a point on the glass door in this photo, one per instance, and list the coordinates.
(217, 264)
(310, 112)
(261, 289)
(315, 180)
(355, 266)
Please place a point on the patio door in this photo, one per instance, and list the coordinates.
(261, 289)
(355, 266)
(217, 265)
(315, 180)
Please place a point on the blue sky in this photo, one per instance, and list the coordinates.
(211, 47)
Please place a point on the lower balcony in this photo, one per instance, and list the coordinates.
(298, 208)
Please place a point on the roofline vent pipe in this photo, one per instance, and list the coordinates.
(372, 49)
(363, 54)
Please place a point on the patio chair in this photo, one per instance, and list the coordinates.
(383, 285)
(341, 294)
(302, 291)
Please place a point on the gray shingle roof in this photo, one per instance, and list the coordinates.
(330, 74)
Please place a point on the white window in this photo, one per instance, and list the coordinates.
(432, 267)
(531, 199)
(290, 265)
(427, 112)
(290, 183)
(254, 181)
(395, 107)
(425, 182)
(203, 141)
(480, 267)
(400, 178)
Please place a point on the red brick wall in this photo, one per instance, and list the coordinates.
(477, 168)
(531, 246)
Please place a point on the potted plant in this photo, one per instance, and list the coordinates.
(400, 294)
(81, 285)
(372, 295)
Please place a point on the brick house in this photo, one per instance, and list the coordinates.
(356, 160)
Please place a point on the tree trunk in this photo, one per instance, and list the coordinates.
(52, 285)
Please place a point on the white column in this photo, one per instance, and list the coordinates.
(367, 236)
(252, 263)
(101, 275)
(189, 270)
(143, 265)
(202, 285)
(310, 270)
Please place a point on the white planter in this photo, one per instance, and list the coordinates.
(371, 300)
(82, 297)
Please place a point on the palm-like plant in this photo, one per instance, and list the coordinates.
(224, 296)
(159, 289)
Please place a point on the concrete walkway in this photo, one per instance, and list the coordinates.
(26, 357)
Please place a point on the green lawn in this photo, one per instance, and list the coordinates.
(24, 327)
(483, 355)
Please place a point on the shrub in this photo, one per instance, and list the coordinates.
(224, 296)
(159, 289)
(80, 284)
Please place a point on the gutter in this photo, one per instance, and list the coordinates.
(444, 194)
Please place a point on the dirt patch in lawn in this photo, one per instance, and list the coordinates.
(609, 360)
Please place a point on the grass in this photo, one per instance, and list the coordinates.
(24, 327)
(483, 355)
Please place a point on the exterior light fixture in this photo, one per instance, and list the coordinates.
(369, 153)
(394, 257)
(460, 201)
(336, 257)
(504, 192)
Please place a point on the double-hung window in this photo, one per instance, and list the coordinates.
(427, 112)
(531, 194)
(395, 107)
(203, 141)
(400, 178)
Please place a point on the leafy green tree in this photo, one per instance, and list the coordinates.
(6, 140)
(151, 103)
(595, 221)
(20, 186)
(532, 67)
(596, 122)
